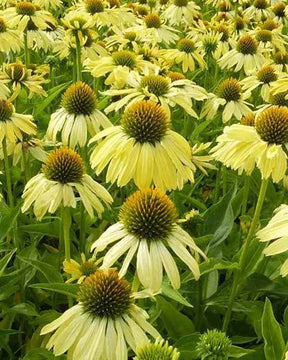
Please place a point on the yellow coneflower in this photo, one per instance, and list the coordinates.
(181, 11)
(62, 175)
(276, 231)
(243, 147)
(103, 323)
(117, 67)
(77, 117)
(232, 96)
(246, 55)
(78, 271)
(137, 234)
(159, 89)
(258, 10)
(145, 149)
(13, 125)
(10, 40)
(187, 53)
(23, 12)
(18, 76)
(159, 350)
(49, 4)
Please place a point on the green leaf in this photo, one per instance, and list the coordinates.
(238, 352)
(50, 273)
(176, 323)
(174, 295)
(5, 260)
(52, 94)
(24, 309)
(9, 332)
(274, 344)
(49, 228)
(65, 289)
(8, 217)
(187, 346)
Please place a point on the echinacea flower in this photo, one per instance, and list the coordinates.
(247, 55)
(62, 175)
(146, 229)
(214, 345)
(77, 117)
(276, 232)
(18, 16)
(103, 323)
(232, 96)
(10, 39)
(117, 66)
(14, 125)
(187, 53)
(18, 76)
(258, 10)
(181, 12)
(159, 350)
(145, 149)
(78, 271)
(243, 147)
(49, 4)
(160, 89)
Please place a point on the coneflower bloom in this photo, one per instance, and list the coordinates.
(243, 147)
(258, 10)
(146, 229)
(159, 350)
(78, 271)
(49, 4)
(10, 39)
(23, 12)
(276, 232)
(62, 175)
(181, 11)
(77, 117)
(160, 89)
(145, 149)
(247, 55)
(103, 323)
(230, 95)
(13, 125)
(117, 66)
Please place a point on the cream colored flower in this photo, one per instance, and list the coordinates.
(62, 175)
(136, 236)
(181, 12)
(78, 271)
(10, 39)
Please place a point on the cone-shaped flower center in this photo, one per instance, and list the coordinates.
(248, 120)
(186, 45)
(210, 44)
(25, 8)
(279, 9)
(88, 268)
(240, 24)
(103, 294)
(213, 345)
(272, 125)
(130, 35)
(16, 72)
(145, 121)
(6, 110)
(180, 3)
(79, 98)
(264, 35)
(260, 4)
(223, 30)
(156, 84)
(247, 45)
(2, 25)
(230, 90)
(148, 214)
(270, 25)
(281, 59)
(267, 74)
(152, 21)
(142, 10)
(64, 165)
(159, 350)
(174, 76)
(94, 6)
(124, 58)
(224, 6)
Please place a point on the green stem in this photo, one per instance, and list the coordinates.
(7, 174)
(238, 275)
(78, 58)
(245, 194)
(66, 222)
(26, 49)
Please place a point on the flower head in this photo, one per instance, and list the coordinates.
(160, 350)
(214, 345)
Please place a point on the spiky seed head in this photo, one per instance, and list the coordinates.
(186, 45)
(247, 45)
(152, 21)
(248, 120)
(104, 295)
(267, 74)
(6, 110)
(272, 125)
(230, 90)
(25, 8)
(79, 98)
(94, 6)
(160, 350)
(214, 345)
(124, 58)
(64, 165)
(148, 214)
(156, 84)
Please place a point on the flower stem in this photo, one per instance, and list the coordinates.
(78, 58)
(238, 275)
(245, 194)
(26, 49)
(7, 174)
(66, 221)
